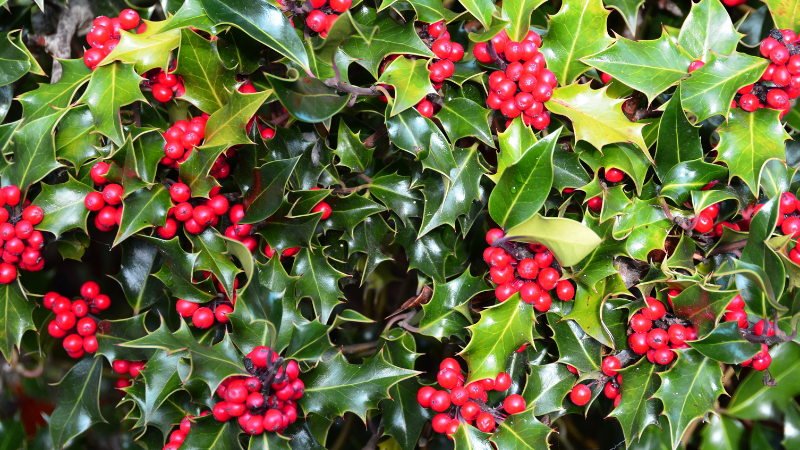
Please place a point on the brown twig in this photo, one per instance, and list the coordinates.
(372, 140)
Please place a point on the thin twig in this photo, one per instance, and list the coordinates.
(372, 140)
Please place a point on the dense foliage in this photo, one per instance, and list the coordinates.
(276, 224)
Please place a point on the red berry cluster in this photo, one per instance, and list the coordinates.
(656, 333)
(457, 403)
(203, 316)
(21, 245)
(125, 367)
(265, 401)
(177, 437)
(322, 17)
(780, 83)
(182, 138)
(194, 213)
(736, 313)
(788, 217)
(164, 85)
(108, 203)
(240, 231)
(533, 275)
(72, 316)
(105, 33)
(523, 84)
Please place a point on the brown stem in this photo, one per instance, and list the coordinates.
(372, 140)
(371, 91)
(358, 348)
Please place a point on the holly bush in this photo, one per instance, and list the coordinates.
(274, 224)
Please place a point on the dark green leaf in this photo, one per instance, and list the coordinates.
(15, 60)
(575, 347)
(227, 126)
(723, 433)
(447, 314)
(63, 206)
(592, 312)
(425, 253)
(690, 176)
(347, 212)
(421, 137)
(318, 280)
(49, 99)
(522, 431)
(266, 195)
(396, 193)
(110, 88)
(194, 172)
(707, 29)
(17, 317)
(637, 409)
(111, 333)
(176, 272)
(208, 433)
(204, 76)
(546, 387)
(752, 400)
(351, 152)
(461, 117)
(34, 152)
(139, 261)
(411, 81)
(307, 99)
(726, 344)
(74, 141)
(142, 209)
(678, 140)
(78, 402)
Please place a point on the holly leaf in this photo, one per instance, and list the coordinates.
(75, 141)
(17, 317)
(637, 408)
(546, 386)
(577, 31)
(468, 437)
(213, 257)
(78, 406)
(347, 212)
(194, 172)
(335, 386)
(284, 231)
(575, 347)
(708, 28)
(307, 99)
(176, 272)
(568, 240)
(309, 341)
(351, 151)
(752, 400)
(142, 209)
(722, 432)
(367, 237)
(270, 441)
(748, 141)
(111, 333)
(461, 117)
(49, 99)
(110, 88)
(262, 21)
(689, 390)
(501, 330)
(710, 89)
(190, 14)
(425, 253)
(785, 13)
(266, 195)
(63, 206)
(411, 81)
(15, 60)
(34, 152)
(703, 307)
(212, 364)
(629, 9)
(791, 426)
(689, 176)
(678, 140)
(650, 67)
(204, 75)
(644, 227)
(161, 380)
(597, 118)
(447, 198)
(518, 13)
(12, 434)
(726, 344)
(208, 433)
(396, 193)
(524, 186)
(521, 431)
(422, 138)
(149, 50)
(318, 280)
(625, 157)
(447, 313)
(393, 39)
(514, 141)
(139, 261)
(594, 314)
(227, 126)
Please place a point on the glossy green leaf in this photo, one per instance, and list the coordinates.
(592, 312)
(396, 193)
(318, 280)
(546, 386)
(110, 88)
(678, 140)
(208, 433)
(143, 209)
(49, 99)
(650, 67)
(577, 31)
(776, 178)
(351, 151)
(597, 118)
(726, 344)
(703, 307)
(521, 431)
(149, 50)
(447, 313)
(347, 212)
(191, 13)
(34, 152)
(176, 272)
(421, 137)
(336, 386)
(111, 333)
(461, 117)
(63, 206)
(139, 261)
(307, 99)
(213, 257)
(752, 400)
(74, 141)
(570, 241)
(517, 138)
(78, 403)
(644, 226)
(575, 347)
(204, 76)
(524, 186)
(501, 330)
(411, 81)
(625, 157)
(17, 317)
(367, 237)
(468, 437)
(722, 433)
(568, 171)
(227, 126)
(265, 197)
(708, 28)
(688, 390)
(195, 171)
(15, 60)
(710, 89)
(689, 176)
(629, 9)
(425, 253)
(637, 409)
(518, 13)
(791, 426)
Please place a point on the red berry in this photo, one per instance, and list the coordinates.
(316, 20)
(92, 57)
(203, 318)
(663, 355)
(440, 422)
(221, 313)
(791, 226)
(514, 404)
(610, 365)
(73, 343)
(614, 175)
(121, 366)
(425, 108)
(565, 290)
(542, 92)
(543, 259)
(481, 53)
(180, 192)
(485, 422)
(162, 93)
(128, 19)
(654, 310)
(595, 204)
(90, 343)
(440, 401)
(704, 223)
(33, 214)
(341, 5)
(502, 381)
(696, 65)
(677, 334)
(458, 396)
(657, 338)
(12, 194)
(779, 55)
(777, 98)
(86, 326)
(548, 278)
(638, 343)
(759, 328)
(580, 394)
(441, 48)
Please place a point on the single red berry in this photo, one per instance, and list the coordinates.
(440, 401)
(640, 323)
(316, 20)
(341, 5)
(663, 355)
(180, 192)
(696, 65)
(677, 334)
(704, 223)
(485, 422)
(548, 278)
(92, 57)
(33, 214)
(614, 175)
(565, 290)
(128, 19)
(760, 328)
(502, 381)
(162, 93)
(657, 338)
(514, 404)
(610, 365)
(440, 422)
(638, 343)
(580, 394)
(73, 343)
(595, 204)
(12, 194)
(791, 226)
(654, 310)
(90, 343)
(203, 318)
(425, 108)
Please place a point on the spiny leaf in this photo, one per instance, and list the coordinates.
(204, 76)
(139, 261)
(678, 140)
(568, 240)
(575, 347)
(411, 81)
(209, 433)
(265, 197)
(594, 314)
(78, 403)
(546, 386)
(34, 152)
(307, 99)
(708, 28)
(63, 206)
(16, 317)
(752, 400)
(637, 409)
(726, 344)
(703, 307)
(447, 313)
(149, 50)
(419, 136)
(520, 432)
(351, 151)
(194, 172)
(110, 88)
(49, 99)
(461, 117)
(318, 280)
(425, 253)
(213, 257)
(518, 13)
(142, 209)
(227, 126)
(514, 141)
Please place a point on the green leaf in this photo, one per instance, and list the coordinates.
(689, 390)
(161, 380)
(270, 441)
(309, 341)
(351, 151)
(752, 400)
(468, 437)
(480, 9)
(575, 347)
(110, 88)
(111, 333)
(710, 89)
(78, 405)
(190, 14)
(284, 232)
(791, 426)
(367, 237)
(425, 253)
(142, 155)
(204, 76)
(650, 67)
(448, 198)
(708, 28)
(176, 272)
(213, 364)
(577, 31)
(239, 51)
(546, 386)
(194, 172)
(34, 152)
(748, 141)
(625, 157)
(678, 140)
(447, 313)
(644, 226)
(514, 141)
(342, 29)
(213, 256)
(318, 280)
(139, 261)
(629, 9)
(597, 118)
(690, 176)
(502, 329)
(568, 171)
(63, 206)
(524, 186)
(143, 209)
(637, 409)
(149, 50)
(15, 60)
(266, 195)
(208, 433)
(307, 99)
(335, 386)
(74, 141)
(568, 240)
(396, 193)
(518, 13)
(347, 212)
(49, 99)
(521, 431)
(227, 126)
(411, 81)
(16, 317)
(776, 178)
(785, 13)
(263, 22)
(12, 434)
(703, 307)
(726, 344)
(723, 433)
(594, 313)
(461, 117)
(393, 39)
(421, 137)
